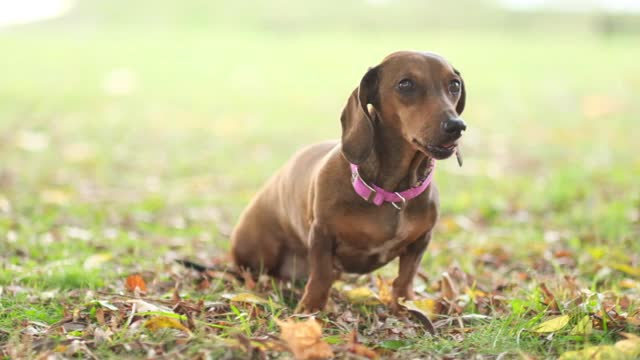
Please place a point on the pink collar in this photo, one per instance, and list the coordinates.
(381, 195)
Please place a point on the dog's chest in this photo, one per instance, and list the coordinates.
(364, 244)
(384, 247)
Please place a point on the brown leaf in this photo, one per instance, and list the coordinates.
(447, 287)
(204, 283)
(421, 310)
(136, 281)
(176, 298)
(561, 253)
(249, 283)
(304, 339)
(100, 316)
(357, 348)
(549, 299)
(634, 319)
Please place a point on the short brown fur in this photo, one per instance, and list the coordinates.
(308, 222)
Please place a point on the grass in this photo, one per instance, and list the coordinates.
(96, 186)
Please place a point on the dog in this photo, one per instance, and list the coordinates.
(356, 204)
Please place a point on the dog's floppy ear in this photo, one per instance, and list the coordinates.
(463, 94)
(357, 124)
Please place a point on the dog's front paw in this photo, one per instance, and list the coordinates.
(305, 309)
(310, 304)
(398, 294)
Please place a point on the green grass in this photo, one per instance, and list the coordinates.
(551, 168)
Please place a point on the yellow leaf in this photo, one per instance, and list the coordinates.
(247, 298)
(629, 270)
(630, 346)
(628, 284)
(54, 197)
(634, 320)
(449, 224)
(164, 322)
(305, 339)
(630, 336)
(552, 325)
(597, 252)
(474, 293)
(338, 285)
(594, 353)
(384, 290)
(362, 295)
(77, 152)
(583, 327)
(425, 306)
(94, 261)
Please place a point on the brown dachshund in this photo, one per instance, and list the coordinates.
(357, 204)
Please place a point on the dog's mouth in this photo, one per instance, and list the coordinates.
(440, 151)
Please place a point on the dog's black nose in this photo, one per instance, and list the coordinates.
(452, 126)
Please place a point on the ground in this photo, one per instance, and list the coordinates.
(126, 147)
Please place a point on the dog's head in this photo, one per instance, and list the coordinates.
(419, 94)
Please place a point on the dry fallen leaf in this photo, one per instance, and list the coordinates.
(630, 346)
(593, 353)
(425, 306)
(552, 325)
(136, 281)
(583, 327)
(384, 290)
(634, 319)
(144, 306)
(304, 339)
(249, 283)
(447, 287)
(96, 260)
(164, 322)
(422, 309)
(362, 295)
(100, 316)
(623, 349)
(629, 284)
(629, 270)
(549, 298)
(54, 197)
(247, 298)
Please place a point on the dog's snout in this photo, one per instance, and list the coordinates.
(454, 125)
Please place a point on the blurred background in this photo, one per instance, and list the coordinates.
(141, 129)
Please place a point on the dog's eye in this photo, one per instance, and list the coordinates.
(454, 87)
(406, 85)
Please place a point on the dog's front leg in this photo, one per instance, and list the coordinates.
(409, 263)
(321, 274)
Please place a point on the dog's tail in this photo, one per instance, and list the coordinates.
(209, 270)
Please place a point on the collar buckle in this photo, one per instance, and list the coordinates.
(355, 176)
(402, 205)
